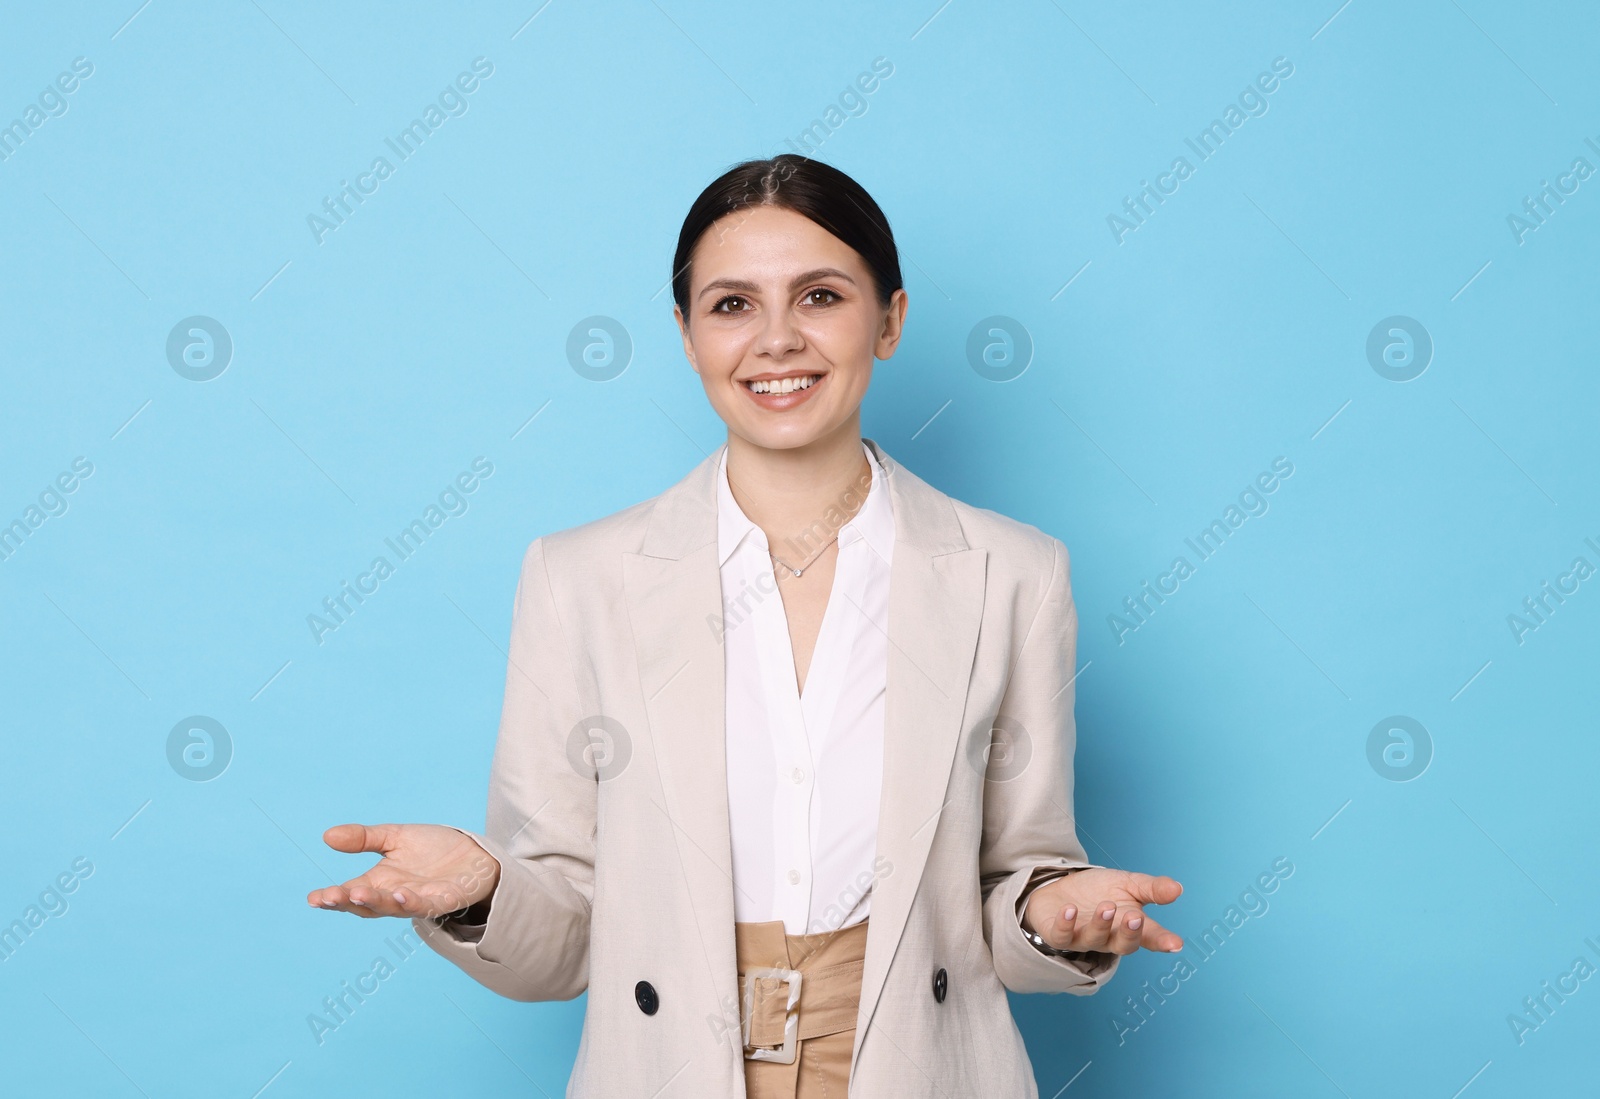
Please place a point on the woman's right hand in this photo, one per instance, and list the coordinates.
(427, 870)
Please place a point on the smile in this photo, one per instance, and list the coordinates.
(784, 385)
(783, 394)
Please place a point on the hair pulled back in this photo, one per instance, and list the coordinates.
(810, 188)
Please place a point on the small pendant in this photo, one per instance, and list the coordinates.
(797, 572)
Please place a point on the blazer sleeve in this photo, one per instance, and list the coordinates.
(1028, 822)
(540, 823)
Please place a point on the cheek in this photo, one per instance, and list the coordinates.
(846, 342)
(718, 352)
(853, 363)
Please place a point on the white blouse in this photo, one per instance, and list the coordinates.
(805, 771)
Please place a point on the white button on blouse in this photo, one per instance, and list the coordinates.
(805, 771)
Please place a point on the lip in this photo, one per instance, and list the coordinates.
(783, 402)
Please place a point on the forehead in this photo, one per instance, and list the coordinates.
(768, 242)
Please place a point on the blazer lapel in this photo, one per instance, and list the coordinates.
(936, 594)
(673, 591)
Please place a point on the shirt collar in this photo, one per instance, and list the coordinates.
(873, 522)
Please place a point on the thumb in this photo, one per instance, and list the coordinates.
(1148, 889)
(378, 838)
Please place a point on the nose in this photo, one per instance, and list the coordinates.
(780, 335)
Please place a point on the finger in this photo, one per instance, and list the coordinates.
(1092, 929)
(353, 838)
(336, 898)
(377, 900)
(1152, 936)
(1058, 927)
(1127, 924)
(331, 896)
(1152, 889)
(427, 902)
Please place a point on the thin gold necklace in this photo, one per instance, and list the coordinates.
(799, 571)
(808, 564)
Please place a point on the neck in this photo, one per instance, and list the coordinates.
(800, 496)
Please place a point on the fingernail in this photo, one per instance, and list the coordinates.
(329, 904)
(400, 898)
(1135, 923)
(1070, 912)
(1108, 913)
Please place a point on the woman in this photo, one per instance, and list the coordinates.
(797, 844)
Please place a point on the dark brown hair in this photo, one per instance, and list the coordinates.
(808, 187)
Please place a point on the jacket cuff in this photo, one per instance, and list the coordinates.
(1021, 966)
(487, 952)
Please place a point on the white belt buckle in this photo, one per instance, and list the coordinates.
(785, 1053)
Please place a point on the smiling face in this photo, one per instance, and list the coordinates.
(783, 326)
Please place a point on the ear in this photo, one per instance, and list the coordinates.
(894, 320)
(688, 345)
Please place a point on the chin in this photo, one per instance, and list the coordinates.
(782, 437)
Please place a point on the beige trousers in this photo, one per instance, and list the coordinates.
(830, 966)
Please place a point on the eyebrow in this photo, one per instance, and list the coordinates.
(748, 287)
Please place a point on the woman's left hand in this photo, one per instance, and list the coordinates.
(1102, 909)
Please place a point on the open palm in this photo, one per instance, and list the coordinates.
(426, 870)
(1103, 909)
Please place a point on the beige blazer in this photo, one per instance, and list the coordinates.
(614, 846)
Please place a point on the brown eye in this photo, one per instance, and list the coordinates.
(718, 308)
(811, 294)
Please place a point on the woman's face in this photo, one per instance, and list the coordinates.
(777, 302)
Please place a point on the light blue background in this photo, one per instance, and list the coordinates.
(368, 370)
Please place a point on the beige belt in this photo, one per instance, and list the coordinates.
(796, 986)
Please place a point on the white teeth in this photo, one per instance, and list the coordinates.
(785, 385)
